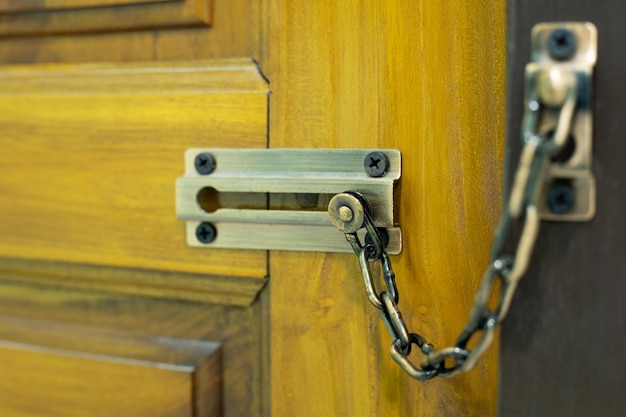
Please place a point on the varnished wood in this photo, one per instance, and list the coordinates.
(81, 324)
(238, 31)
(139, 15)
(31, 5)
(219, 289)
(562, 344)
(426, 78)
(59, 370)
(105, 294)
(46, 289)
(90, 155)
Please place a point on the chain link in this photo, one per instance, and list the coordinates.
(505, 269)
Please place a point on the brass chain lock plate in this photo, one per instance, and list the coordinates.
(277, 198)
(559, 51)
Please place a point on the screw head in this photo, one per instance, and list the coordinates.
(206, 233)
(376, 164)
(562, 44)
(561, 198)
(204, 163)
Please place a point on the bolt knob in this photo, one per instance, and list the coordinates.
(346, 212)
(553, 85)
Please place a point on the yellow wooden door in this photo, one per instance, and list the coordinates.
(104, 310)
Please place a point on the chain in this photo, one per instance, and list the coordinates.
(353, 214)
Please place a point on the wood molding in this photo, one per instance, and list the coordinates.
(13, 6)
(78, 369)
(89, 16)
(239, 31)
(229, 290)
(237, 329)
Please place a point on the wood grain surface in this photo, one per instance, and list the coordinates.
(107, 113)
(66, 337)
(90, 155)
(238, 31)
(134, 16)
(107, 140)
(63, 370)
(426, 78)
(562, 344)
(30, 5)
(219, 289)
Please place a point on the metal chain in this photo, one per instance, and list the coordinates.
(508, 269)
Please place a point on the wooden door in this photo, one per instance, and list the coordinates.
(561, 345)
(104, 309)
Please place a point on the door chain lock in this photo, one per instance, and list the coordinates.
(553, 181)
(271, 198)
(277, 198)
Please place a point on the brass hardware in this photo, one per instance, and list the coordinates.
(242, 178)
(563, 55)
(343, 215)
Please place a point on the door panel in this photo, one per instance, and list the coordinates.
(426, 78)
(64, 336)
(91, 154)
(90, 239)
(561, 352)
(63, 370)
(423, 77)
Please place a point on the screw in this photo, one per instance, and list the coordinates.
(376, 164)
(561, 198)
(204, 163)
(206, 233)
(562, 44)
(346, 214)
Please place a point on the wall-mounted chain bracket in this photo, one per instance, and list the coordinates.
(563, 55)
(278, 198)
